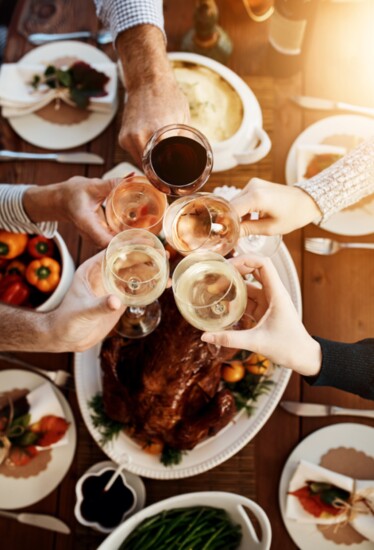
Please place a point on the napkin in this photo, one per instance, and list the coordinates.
(362, 522)
(19, 98)
(44, 402)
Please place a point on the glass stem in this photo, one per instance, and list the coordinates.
(135, 312)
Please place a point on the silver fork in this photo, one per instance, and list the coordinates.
(328, 246)
(60, 378)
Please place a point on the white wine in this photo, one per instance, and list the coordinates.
(136, 273)
(210, 294)
(202, 221)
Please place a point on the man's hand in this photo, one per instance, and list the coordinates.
(154, 98)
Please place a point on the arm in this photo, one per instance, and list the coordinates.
(284, 208)
(84, 317)
(154, 98)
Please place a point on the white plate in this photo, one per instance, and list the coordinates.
(18, 493)
(347, 222)
(43, 133)
(312, 448)
(212, 451)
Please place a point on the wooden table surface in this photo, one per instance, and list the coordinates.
(337, 290)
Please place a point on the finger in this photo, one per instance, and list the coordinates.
(263, 226)
(104, 306)
(239, 339)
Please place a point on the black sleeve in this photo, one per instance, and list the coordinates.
(348, 367)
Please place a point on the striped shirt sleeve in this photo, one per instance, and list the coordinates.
(120, 15)
(13, 217)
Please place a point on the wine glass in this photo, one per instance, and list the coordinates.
(135, 203)
(201, 221)
(136, 269)
(209, 291)
(178, 159)
(263, 245)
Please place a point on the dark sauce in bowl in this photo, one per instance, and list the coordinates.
(106, 508)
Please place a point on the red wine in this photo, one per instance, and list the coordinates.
(178, 160)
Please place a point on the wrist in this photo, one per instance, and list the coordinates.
(311, 362)
(40, 203)
(311, 210)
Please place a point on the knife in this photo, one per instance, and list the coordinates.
(39, 520)
(314, 409)
(328, 104)
(69, 158)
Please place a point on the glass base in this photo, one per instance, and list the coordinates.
(138, 322)
(263, 245)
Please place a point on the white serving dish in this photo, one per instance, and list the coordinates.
(67, 274)
(234, 505)
(250, 143)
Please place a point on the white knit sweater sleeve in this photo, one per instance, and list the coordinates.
(345, 182)
(13, 217)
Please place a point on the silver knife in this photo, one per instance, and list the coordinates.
(68, 158)
(314, 409)
(309, 102)
(39, 520)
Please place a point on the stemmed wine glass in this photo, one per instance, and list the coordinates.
(201, 221)
(136, 269)
(177, 159)
(135, 203)
(209, 291)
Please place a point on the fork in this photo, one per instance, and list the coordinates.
(60, 378)
(328, 246)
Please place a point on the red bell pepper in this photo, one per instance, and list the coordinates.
(40, 246)
(13, 290)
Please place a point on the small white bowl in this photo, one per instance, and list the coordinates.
(233, 504)
(131, 481)
(250, 143)
(67, 274)
(305, 153)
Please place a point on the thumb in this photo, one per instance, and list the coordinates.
(242, 339)
(104, 306)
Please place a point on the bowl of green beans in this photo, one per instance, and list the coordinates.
(209, 520)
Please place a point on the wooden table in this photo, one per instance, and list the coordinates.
(337, 290)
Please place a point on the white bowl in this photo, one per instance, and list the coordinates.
(250, 143)
(67, 274)
(233, 504)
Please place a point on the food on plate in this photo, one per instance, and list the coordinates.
(215, 107)
(30, 269)
(197, 527)
(322, 500)
(167, 390)
(319, 162)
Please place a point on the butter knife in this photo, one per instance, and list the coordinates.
(39, 520)
(309, 102)
(68, 158)
(314, 409)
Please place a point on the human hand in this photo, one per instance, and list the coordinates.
(77, 200)
(154, 98)
(87, 313)
(282, 208)
(279, 333)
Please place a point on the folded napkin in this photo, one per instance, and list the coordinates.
(359, 513)
(19, 98)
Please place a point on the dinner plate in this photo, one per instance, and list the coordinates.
(358, 221)
(312, 448)
(18, 493)
(213, 450)
(46, 134)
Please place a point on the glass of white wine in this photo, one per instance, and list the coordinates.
(135, 204)
(136, 269)
(202, 221)
(263, 245)
(209, 291)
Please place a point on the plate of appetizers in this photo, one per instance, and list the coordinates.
(162, 406)
(319, 146)
(38, 438)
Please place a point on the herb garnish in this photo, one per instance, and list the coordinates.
(108, 428)
(170, 456)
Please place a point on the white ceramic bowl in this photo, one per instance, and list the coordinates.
(233, 504)
(67, 274)
(250, 143)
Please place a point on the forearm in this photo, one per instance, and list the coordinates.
(23, 329)
(349, 367)
(17, 217)
(345, 182)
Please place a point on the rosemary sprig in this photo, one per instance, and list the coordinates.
(108, 428)
(170, 456)
(248, 390)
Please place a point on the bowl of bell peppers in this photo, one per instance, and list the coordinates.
(35, 271)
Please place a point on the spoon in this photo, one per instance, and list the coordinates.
(39, 520)
(102, 37)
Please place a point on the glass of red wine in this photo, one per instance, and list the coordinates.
(177, 160)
